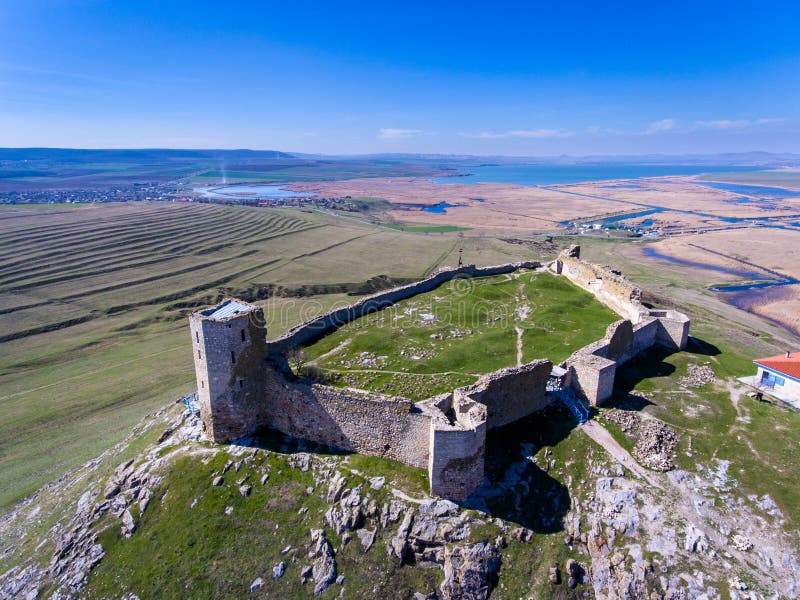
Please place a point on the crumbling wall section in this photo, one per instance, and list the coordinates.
(510, 394)
(457, 450)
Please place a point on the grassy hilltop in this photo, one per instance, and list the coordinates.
(446, 338)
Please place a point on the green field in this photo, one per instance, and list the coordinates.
(94, 300)
(448, 337)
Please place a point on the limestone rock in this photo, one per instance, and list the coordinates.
(245, 490)
(335, 488)
(278, 570)
(324, 568)
(128, 524)
(554, 577)
(257, 584)
(470, 572)
(367, 538)
(218, 481)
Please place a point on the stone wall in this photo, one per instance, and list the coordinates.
(591, 371)
(354, 420)
(608, 286)
(319, 326)
(510, 394)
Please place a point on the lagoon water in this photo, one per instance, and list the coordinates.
(751, 190)
(533, 175)
(257, 192)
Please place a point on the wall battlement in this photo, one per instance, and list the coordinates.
(244, 383)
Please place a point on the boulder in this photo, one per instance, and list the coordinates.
(324, 568)
(278, 570)
(470, 572)
(367, 538)
(257, 584)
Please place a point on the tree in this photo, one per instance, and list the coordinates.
(297, 360)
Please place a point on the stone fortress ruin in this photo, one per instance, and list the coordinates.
(244, 382)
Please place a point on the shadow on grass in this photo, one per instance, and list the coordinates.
(701, 347)
(281, 443)
(647, 365)
(515, 488)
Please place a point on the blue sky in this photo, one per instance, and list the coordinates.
(515, 78)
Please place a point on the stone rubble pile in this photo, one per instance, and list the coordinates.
(655, 441)
(655, 445)
(697, 376)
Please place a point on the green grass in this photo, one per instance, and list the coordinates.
(445, 338)
(201, 552)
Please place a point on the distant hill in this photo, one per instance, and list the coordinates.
(143, 155)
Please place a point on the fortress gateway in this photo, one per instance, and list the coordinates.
(244, 381)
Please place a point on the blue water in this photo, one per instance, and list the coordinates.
(757, 281)
(439, 209)
(257, 192)
(652, 253)
(752, 190)
(532, 175)
(635, 215)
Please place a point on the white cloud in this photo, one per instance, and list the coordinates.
(660, 126)
(729, 124)
(520, 133)
(399, 134)
(595, 130)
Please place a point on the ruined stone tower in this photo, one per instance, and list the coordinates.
(228, 342)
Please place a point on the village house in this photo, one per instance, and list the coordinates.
(779, 376)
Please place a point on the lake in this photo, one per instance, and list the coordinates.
(533, 175)
(257, 192)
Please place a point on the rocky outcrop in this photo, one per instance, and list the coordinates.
(470, 572)
(323, 570)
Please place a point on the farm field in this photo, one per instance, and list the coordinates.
(448, 337)
(94, 300)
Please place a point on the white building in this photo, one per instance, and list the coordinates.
(779, 376)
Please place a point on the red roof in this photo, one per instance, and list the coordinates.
(783, 363)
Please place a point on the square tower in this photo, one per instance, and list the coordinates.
(229, 347)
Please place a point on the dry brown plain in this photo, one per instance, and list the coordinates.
(507, 208)
(751, 249)
(494, 207)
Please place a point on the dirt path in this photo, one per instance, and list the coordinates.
(333, 351)
(600, 434)
(518, 329)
